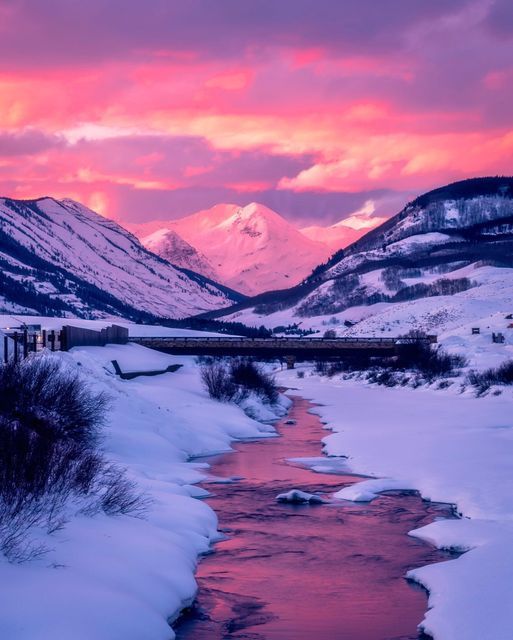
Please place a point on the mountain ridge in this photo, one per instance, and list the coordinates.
(72, 259)
(476, 226)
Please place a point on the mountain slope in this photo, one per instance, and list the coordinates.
(439, 245)
(348, 230)
(169, 245)
(335, 237)
(69, 259)
(251, 248)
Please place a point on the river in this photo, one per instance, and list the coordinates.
(296, 572)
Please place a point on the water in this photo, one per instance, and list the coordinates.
(320, 572)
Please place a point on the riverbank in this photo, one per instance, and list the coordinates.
(451, 448)
(125, 577)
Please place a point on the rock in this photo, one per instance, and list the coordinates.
(296, 496)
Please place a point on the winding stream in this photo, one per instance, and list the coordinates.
(298, 572)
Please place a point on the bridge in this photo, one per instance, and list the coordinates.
(290, 349)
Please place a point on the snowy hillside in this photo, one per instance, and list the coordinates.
(61, 257)
(447, 257)
(252, 248)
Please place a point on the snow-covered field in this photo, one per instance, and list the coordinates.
(124, 577)
(452, 448)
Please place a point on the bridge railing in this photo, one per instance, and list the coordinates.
(270, 341)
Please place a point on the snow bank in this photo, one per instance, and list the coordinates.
(123, 577)
(471, 597)
(367, 490)
(451, 448)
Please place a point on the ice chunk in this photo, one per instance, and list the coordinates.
(296, 496)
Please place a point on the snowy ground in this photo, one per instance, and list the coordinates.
(109, 578)
(122, 577)
(452, 448)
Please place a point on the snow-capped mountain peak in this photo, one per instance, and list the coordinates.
(251, 248)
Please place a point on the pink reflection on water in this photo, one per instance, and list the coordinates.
(326, 572)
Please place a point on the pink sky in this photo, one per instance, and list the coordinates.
(313, 107)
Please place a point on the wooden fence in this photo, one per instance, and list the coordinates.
(19, 344)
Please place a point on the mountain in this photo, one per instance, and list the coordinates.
(61, 257)
(347, 231)
(335, 236)
(448, 246)
(252, 248)
(169, 245)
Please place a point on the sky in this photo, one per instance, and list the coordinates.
(316, 108)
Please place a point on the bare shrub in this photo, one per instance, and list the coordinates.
(118, 495)
(321, 366)
(217, 379)
(228, 382)
(49, 468)
(384, 377)
(37, 478)
(501, 375)
(51, 400)
(249, 375)
(415, 352)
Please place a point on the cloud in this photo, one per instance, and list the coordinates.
(27, 142)
(500, 18)
(65, 32)
(310, 106)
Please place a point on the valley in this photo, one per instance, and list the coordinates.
(256, 320)
(407, 454)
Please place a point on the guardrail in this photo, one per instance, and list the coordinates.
(279, 341)
(267, 341)
(277, 347)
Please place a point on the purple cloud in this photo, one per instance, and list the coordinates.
(71, 32)
(27, 142)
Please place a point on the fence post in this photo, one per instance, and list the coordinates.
(6, 349)
(15, 346)
(34, 342)
(44, 338)
(25, 343)
(65, 338)
(52, 339)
